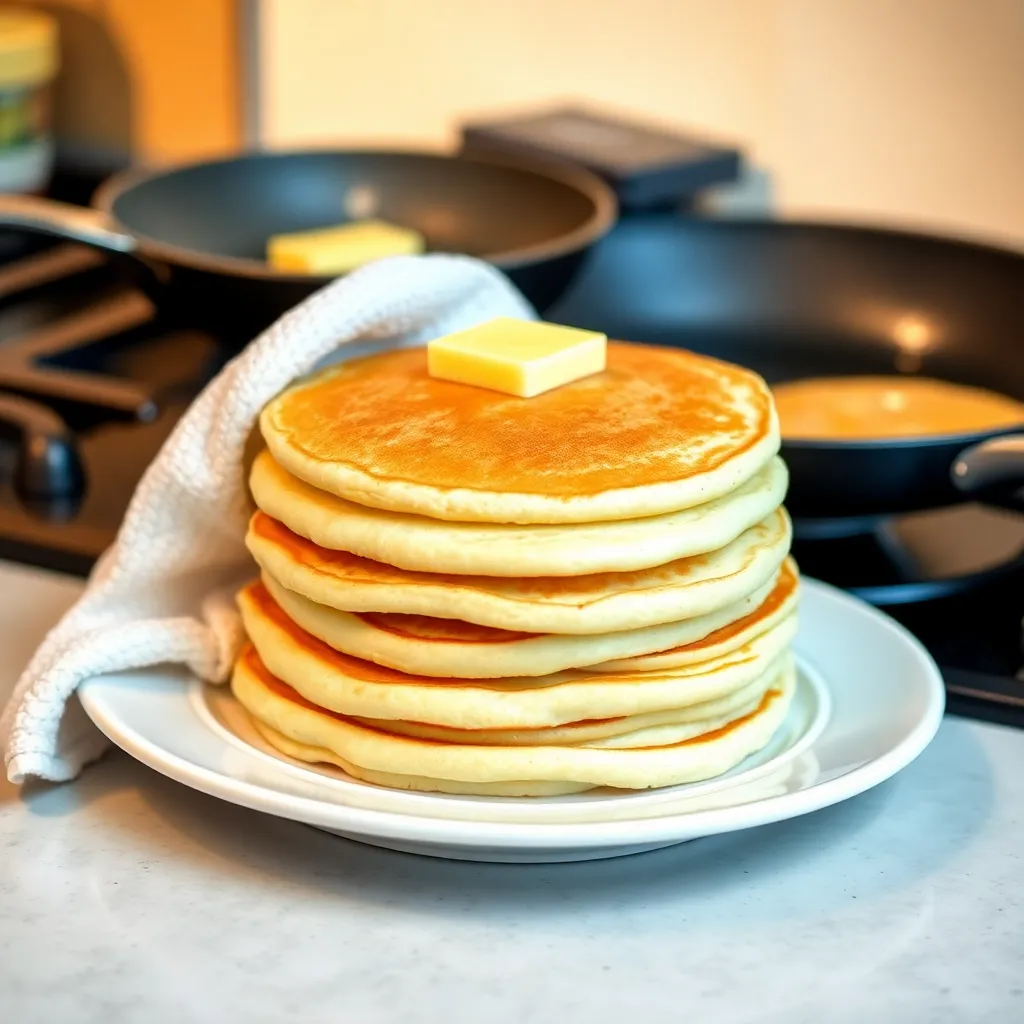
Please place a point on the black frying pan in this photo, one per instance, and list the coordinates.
(800, 300)
(200, 231)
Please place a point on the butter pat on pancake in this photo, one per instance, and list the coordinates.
(351, 686)
(517, 357)
(601, 603)
(424, 645)
(723, 744)
(660, 430)
(492, 549)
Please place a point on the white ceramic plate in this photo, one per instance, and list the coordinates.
(869, 700)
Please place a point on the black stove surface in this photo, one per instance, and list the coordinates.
(955, 578)
(80, 346)
(67, 532)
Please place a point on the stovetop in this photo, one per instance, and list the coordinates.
(91, 383)
(100, 379)
(955, 578)
(119, 335)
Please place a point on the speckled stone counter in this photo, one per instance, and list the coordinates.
(125, 897)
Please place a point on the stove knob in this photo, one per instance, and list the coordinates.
(48, 466)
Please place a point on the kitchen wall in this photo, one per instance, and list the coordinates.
(906, 110)
(147, 80)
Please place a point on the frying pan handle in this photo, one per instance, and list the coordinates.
(63, 220)
(995, 466)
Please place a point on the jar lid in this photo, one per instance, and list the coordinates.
(28, 48)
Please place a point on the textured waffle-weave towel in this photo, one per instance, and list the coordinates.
(163, 593)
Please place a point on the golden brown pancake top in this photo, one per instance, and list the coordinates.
(871, 408)
(656, 415)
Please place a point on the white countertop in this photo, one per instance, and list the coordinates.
(125, 897)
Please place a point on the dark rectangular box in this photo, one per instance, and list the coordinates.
(645, 165)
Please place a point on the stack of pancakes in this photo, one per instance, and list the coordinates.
(467, 592)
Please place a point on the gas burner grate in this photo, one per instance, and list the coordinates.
(92, 381)
(61, 361)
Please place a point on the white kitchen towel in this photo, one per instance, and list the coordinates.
(163, 593)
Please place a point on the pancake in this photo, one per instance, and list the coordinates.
(890, 407)
(681, 723)
(779, 605)
(319, 736)
(423, 645)
(485, 549)
(598, 603)
(660, 430)
(389, 780)
(351, 686)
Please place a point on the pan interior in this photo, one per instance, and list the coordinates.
(230, 208)
(802, 300)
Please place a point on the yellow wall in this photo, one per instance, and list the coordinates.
(903, 110)
(870, 109)
(155, 78)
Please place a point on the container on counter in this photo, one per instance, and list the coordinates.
(29, 58)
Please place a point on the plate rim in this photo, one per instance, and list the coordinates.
(469, 833)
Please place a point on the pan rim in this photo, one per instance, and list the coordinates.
(866, 226)
(585, 183)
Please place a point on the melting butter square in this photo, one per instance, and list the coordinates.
(336, 250)
(517, 357)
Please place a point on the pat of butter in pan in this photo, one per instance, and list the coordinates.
(517, 357)
(336, 250)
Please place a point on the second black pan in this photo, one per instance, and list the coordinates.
(200, 231)
(798, 300)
